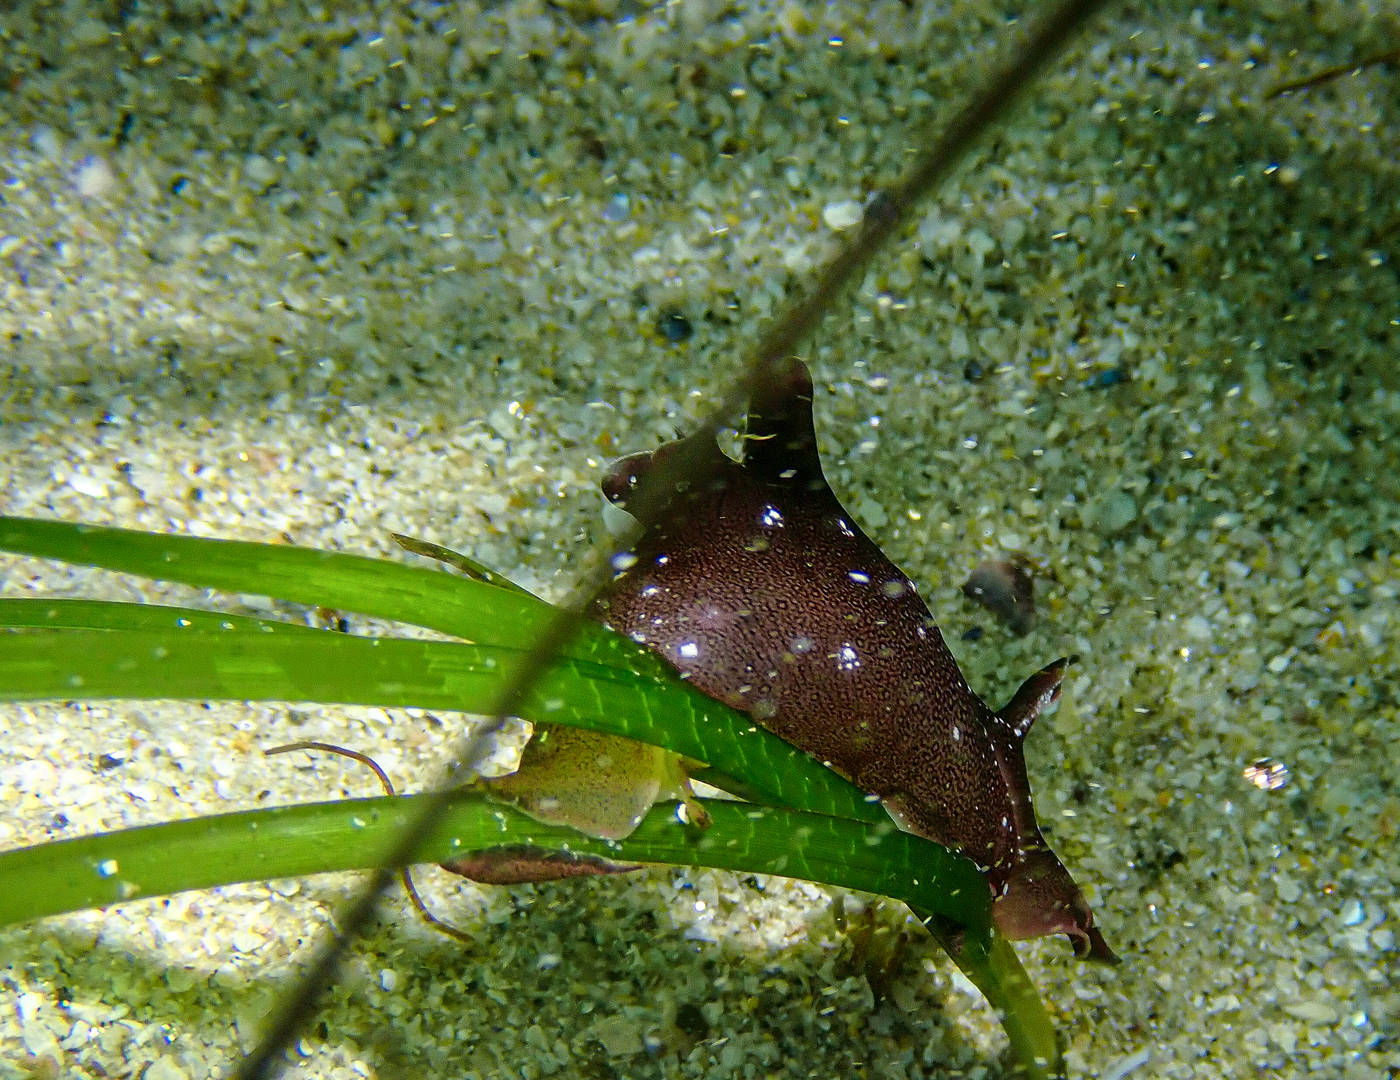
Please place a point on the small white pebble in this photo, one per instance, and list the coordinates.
(619, 1036)
(842, 215)
(938, 232)
(1318, 1012)
(1116, 511)
(979, 243)
(1284, 1036)
(46, 142)
(94, 178)
(1198, 627)
(1125, 1066)
(33, 776)
(258, 172)
(90, 31)
(87, 485)
(163, 1068)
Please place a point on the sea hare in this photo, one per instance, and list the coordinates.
(764, 592)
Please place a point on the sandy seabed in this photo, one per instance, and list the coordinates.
(321, 273)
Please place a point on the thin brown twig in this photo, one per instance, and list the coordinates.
(1328, 74)
(405, 875)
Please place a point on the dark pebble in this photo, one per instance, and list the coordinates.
(674, 327)
(1006, 590)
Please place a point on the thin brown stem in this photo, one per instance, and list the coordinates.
(405, 874)
(343, 751)
(1318, 78)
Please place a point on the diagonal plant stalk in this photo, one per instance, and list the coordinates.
(86, 650)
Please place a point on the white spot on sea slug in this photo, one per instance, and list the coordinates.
(763, 709)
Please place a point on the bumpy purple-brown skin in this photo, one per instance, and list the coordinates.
(764, 592)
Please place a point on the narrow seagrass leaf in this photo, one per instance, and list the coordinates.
(455, 559)
(472, 610)
(311, 838)
(24, 614)
(993, 967)
(193, 664)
